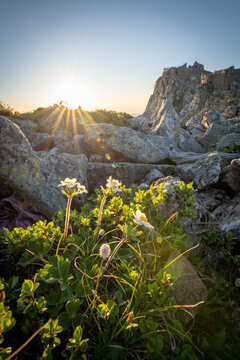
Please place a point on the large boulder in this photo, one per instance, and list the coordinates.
(125, 144)
(41, 141)
(203, 172)
(128, 173)
(166, 121)
(184, 157)
(217, 127)
(140, 123)
(232, 175)
(188, 288)
(187, 142)
(27, 127)
(228, 217)
(153, 175)
(77, 145)
(34, 176)
(228, 140)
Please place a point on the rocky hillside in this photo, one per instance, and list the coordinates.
(189, 131)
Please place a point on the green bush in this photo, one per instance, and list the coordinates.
(102, 292)
(6, 110)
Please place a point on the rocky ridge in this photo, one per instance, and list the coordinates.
(191, 115)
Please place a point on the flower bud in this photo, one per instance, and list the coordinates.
(105, 251)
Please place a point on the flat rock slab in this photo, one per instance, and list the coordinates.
(128, 143)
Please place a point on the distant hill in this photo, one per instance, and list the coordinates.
(64, 118)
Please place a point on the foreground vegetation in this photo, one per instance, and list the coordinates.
(96, 284)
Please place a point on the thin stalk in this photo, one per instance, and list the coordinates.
(67, 219)
(28, 341)
(96, 289)
(92, 314)
(59, 242)
(100, 213)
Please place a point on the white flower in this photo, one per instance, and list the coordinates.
(105, 251)
(113, 184)
(69, 182)
(80, 189)
(141, 219)
(72, 187)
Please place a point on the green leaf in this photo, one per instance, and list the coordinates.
(28, 287)
(118, 296)
(77, 335)
(64, 320)
(217, 340)
(13, 281)
(155, 344)
(72, 307)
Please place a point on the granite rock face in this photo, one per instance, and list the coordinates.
(166, 121)
(123, 143)
(217, 127)
(35, 176)
(203, 172)
(228, 217)
(196, 99)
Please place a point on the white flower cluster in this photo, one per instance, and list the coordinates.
(113, 184)
(71, 183)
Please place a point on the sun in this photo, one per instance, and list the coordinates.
(73, 92)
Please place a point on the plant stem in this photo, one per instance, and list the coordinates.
(28, 341)
(67, 219)
(96, 288)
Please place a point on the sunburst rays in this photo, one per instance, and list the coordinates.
(68, 120)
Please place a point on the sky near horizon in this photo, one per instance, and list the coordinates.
(107, 53)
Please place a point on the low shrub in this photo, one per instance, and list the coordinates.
(94, 284)
(235, 148)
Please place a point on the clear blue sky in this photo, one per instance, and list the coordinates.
(107, 53)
